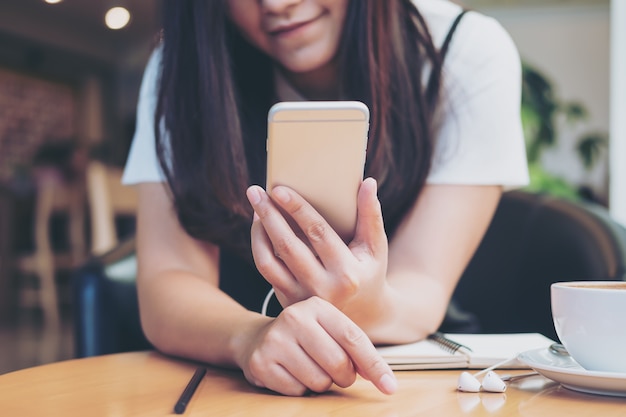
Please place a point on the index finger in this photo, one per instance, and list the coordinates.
(322, 237)
(366, 359)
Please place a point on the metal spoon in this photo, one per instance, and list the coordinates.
(555, 348)
(558, 349)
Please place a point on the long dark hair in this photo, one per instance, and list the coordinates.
(215, 91)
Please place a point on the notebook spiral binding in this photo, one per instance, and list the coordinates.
(447, 344)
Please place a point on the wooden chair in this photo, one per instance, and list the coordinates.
(108, 200)
(53, 196)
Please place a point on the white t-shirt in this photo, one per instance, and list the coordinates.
(480, 141)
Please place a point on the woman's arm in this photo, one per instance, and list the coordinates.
(427, 256)
(183, 312)
(396, 293)
(310, 346)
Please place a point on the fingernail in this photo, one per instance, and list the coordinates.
(254, 195)
(374, 184)
(388, 383)
(281, 195)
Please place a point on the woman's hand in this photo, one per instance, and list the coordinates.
(308, 347)
(302, 256)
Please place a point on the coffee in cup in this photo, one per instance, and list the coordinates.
(590, 321)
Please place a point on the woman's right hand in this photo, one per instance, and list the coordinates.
(308, 347)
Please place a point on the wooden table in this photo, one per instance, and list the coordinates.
(148, 384)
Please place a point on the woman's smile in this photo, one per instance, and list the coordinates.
(301, 36)
(292, 29)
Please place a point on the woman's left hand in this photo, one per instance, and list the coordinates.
(311, 259)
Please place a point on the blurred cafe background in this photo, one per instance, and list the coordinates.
(70, 72)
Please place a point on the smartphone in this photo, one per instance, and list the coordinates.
(318, 149)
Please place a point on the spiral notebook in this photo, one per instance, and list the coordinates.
(469, 351)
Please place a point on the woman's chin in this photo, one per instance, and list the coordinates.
(305, 61)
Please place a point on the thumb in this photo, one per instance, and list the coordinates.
(370, 228)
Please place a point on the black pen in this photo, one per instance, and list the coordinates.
(185, 397)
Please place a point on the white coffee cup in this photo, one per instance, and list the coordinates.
(590, 320)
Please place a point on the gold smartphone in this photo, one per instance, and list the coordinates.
(318, 149)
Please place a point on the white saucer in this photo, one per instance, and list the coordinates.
(570, 374)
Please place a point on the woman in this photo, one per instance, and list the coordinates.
(445, 138)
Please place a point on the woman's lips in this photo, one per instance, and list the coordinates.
(292, 28)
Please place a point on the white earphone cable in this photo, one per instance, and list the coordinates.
(494, 366)
(267, 301)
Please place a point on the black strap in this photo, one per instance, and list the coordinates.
(435, 76)
(446, 43)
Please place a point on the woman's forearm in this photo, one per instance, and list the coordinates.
(310, 346)
(185, 316)
(427, 256)
(408, 309)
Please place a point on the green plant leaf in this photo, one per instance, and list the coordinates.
(574, 112)
(541, 111)
(590, 148)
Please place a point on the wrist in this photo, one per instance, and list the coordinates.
(243, 336)
(374, 314)
(394, 318)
